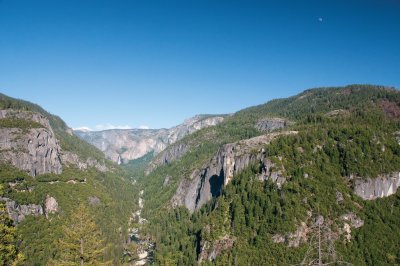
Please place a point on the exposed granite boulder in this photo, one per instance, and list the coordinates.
(379, 187)
(207, 182)
(271, 124)
(350, 220)
(167, 179)
(339, 197)
(35, 150)
(50, 205)
(123, 145)
(93, 200)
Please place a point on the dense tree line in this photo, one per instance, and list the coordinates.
(343, 132)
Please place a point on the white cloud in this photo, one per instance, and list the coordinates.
(82, 128)
(110, 126)
(144, 127)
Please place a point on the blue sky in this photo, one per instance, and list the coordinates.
(132, 63)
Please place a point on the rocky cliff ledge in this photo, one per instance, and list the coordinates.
(35, 150)
(207, 182)
(379, 187)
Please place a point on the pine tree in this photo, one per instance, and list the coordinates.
(82, 242)
(8, 237)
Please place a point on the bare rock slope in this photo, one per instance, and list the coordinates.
(35, 150)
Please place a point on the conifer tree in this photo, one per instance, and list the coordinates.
(82, 242)
(8, 237)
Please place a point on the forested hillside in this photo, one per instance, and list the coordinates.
(70, 173)
(308, 179)
(344, 139)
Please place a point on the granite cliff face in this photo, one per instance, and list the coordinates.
(35, 150)
(271, 124)
(172, 153)
(123, 145)
(207, 182)
(176, 151)
(379, 187)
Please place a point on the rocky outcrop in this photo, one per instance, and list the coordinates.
(207, 182)
(318, 226)
(339, 197)
(350, 220)
(271, 124)
(167, 180)
(93, 200)
(69, 158)
(123, 145)
(301, 234)
(211, 250)
(379, 187)
(172, 153)
(35, 150)
(50, 205)
(18, 212)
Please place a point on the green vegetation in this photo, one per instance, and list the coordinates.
(18, 123)
(117, 199)
(343, 132)
(111, 195)
(9, 254)
(137, 166)
(82, 242)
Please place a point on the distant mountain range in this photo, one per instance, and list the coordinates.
(124, 145)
